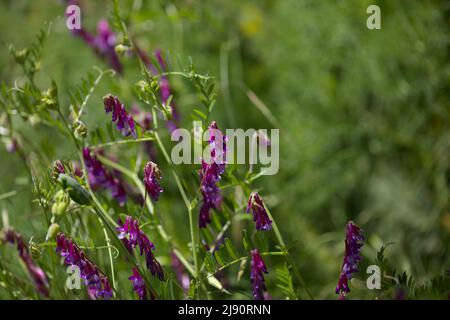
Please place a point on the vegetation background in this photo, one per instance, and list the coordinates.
(363, 115)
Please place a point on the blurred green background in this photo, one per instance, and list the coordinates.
(363, 114)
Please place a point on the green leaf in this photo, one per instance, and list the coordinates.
(210, 263)
(284, 282)
(246, 241)
(230, 248)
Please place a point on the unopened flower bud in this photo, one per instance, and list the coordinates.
(52, 231)
(57, 168)
(142, 86)
(35, 250)
(49, 99)
(62, 201)
(80, 131)
(121, 50)
(19, 55)
(154, 85)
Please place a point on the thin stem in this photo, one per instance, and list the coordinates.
(91, 90)
(194, 243)
(113, 143)
(286, 253)
(108, 242)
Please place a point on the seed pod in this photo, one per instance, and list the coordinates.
(53, 230)
(76, 192)
(61, 202)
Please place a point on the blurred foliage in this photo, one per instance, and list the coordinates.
(363, 114)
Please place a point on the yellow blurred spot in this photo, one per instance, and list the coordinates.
(446, 221)
(251, 20)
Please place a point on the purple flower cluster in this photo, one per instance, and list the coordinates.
(353, 244)
(124, 120)
(97, 283)
(257, 270)
(256, 206)
(210, 174)
(99, 177)
(103, 43)
(151, 176)
(134, 236)
(138, 284)
(36, 273)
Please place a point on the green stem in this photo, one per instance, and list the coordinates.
(286, 253)
(108, 242)
(113, 143)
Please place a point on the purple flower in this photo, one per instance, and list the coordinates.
(118, 191)
(151, 176)
(138, 284)
(144, 118)
(136, 237)
(180, 272)
(353, 244)
(210, 174)
(256, 206)
(36, 273)
(257, 270)
(124, 121)
(11, 145)
(95, 280)
(99, 177)
(103, 43)
(58, 167)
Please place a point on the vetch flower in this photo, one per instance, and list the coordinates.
(151, 176)
(210, 174)
(353, 244)
(97, 283)
(103, 43)
(57, 168)
(99, 177)
(138, 284)
(260, 216)
(124, 120)
(136, 237)
(36, 273)
(257, 270)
